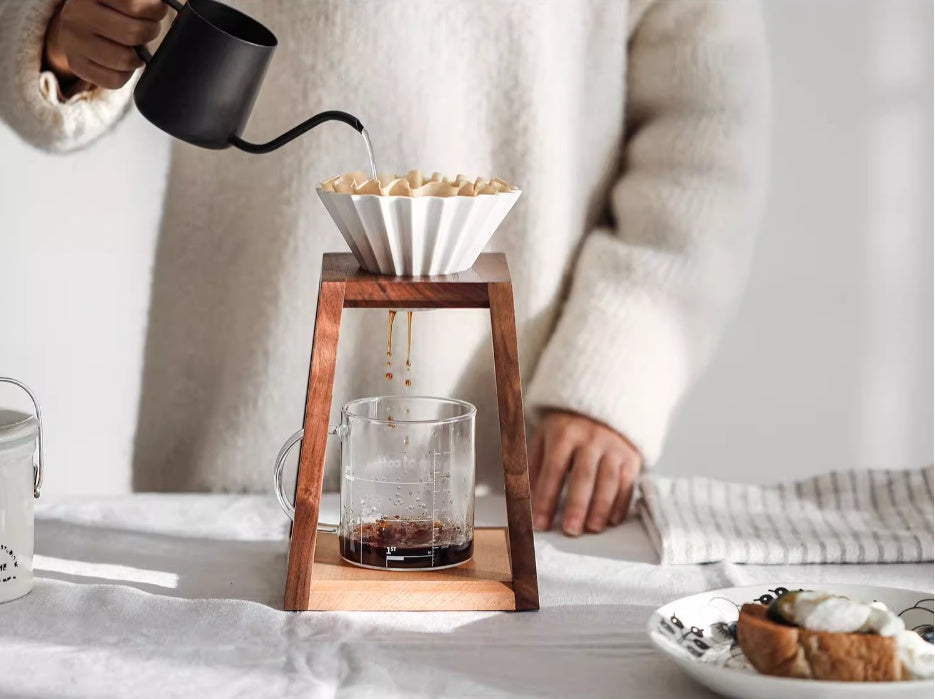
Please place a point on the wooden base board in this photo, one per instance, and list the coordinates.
(483, 583)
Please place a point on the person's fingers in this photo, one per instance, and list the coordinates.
(109, 54)
(580, 489)
(109, 23)
(98, 75)
(535, 459)
(153, 10)
(556, 455)
(606, 489)
(625, 492)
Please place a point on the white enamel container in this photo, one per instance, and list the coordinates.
(20, 479)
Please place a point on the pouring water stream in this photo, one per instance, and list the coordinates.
(369, 144)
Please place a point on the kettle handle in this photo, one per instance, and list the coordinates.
(141, 50)
(37, 468)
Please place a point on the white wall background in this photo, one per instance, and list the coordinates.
(77, 237)
(829, 361)
(827, 365)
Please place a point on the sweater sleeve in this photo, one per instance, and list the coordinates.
(650, 295)
(29, 98)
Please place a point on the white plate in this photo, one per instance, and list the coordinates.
(695, 632)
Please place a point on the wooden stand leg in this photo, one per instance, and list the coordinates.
(513, 446)
(312, 455)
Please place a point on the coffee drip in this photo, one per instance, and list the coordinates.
(389, 348)
(408, 349)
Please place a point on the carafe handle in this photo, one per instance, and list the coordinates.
(37, 467)
(287, 506)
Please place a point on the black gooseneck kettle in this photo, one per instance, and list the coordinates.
(203, 80)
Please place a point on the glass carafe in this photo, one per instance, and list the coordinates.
(407, 482)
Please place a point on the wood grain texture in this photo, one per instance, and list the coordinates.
(489, 267)
(378, 294)
(483, 583)
(502, 575)
(314, 444)
(466, 289)
(513, 445)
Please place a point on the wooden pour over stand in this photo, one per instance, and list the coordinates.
(502, 573)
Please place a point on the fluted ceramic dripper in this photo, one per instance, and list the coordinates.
(417, 235)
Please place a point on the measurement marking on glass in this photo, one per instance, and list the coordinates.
(377, 480)
(406, 558)
(434, 472)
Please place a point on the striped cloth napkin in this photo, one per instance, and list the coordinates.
(839, 517)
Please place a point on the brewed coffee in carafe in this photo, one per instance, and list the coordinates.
(407, 486)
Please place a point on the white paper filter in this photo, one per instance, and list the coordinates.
(417, 236)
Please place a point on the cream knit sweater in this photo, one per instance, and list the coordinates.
(637, 131)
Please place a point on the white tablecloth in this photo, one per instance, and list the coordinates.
(181, 595)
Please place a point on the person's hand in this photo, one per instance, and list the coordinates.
(601, 467)
(94, 40)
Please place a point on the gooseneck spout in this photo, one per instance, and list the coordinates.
(297, 131)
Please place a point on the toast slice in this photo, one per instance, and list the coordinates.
(792, 651)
